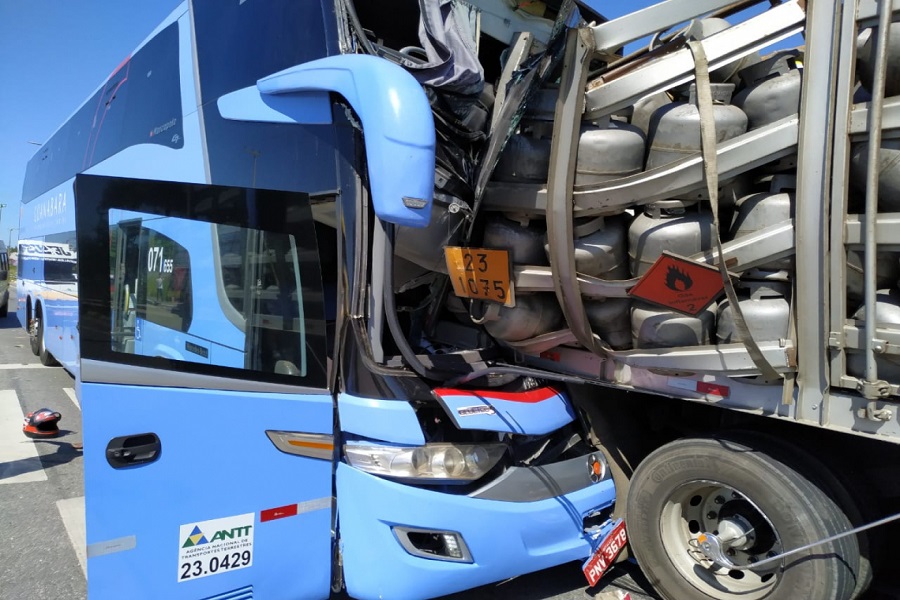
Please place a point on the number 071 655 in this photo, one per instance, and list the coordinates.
(480, 273)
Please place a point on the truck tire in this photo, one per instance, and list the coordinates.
(833, 477)
(732, 489)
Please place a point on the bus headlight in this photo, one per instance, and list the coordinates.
(435, 462)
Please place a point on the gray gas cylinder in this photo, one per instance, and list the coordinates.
(866, 60)
(888, 172)
(887, 271)
(758, 211)
(655, 327)
(772, 90)
(607, 151)
(667, 225)
(642, 110)
(424, 246)
(524, 159)
(533, 315)
(524, 242)
(765, 308)
(600, 247)
(675, 128)
(609, 318)
(887, 314)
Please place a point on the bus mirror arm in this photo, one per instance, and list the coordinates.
(396, 118)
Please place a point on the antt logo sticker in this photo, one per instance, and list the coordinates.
(215, 546)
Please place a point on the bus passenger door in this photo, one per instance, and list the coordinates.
(208, 475)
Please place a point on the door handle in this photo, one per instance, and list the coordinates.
(131, 450)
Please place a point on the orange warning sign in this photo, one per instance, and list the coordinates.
(680, 284)
(480, 273)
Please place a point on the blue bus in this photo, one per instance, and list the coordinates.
(230, 244)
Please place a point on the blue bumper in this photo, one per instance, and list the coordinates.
(505, 539)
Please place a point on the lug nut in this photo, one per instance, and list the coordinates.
(712, 514)
(719, 500)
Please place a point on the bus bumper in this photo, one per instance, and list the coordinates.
(501, 539)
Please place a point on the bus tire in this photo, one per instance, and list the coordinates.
(733, 490)
(4, 310)
(33, 327)
(43, 354)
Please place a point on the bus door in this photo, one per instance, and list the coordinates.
(204, 478)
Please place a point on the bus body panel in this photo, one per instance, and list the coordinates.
(46, 270)
(380, 419)
(521, 536)
(188, 486)
(215, 462)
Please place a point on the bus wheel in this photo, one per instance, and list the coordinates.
(755, 507)
(33, 327)
(43, 354)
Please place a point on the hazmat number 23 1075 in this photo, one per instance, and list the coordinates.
(480, 273)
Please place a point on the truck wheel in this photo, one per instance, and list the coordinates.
(756, 505)
(831, 475)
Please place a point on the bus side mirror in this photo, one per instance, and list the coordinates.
(396, 118)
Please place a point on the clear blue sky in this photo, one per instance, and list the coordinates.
(55, 53)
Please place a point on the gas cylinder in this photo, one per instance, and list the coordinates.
(424, 246)
(758, 211)
(887, 314)
(668, 225)
(888, 172)
(675, 128)
(866, 60)
(525, 158)
(609, 318)
(524, 242)
(608, 150)
(656, 327)
(887, 271)
(600, 247)
(772, 90)
(533, 315)
(764, 307)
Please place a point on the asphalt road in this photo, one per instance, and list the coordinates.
(41, 488)
(42, 547)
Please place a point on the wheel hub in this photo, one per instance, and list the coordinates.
(717, 533)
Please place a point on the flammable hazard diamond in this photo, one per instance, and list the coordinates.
(680, 284)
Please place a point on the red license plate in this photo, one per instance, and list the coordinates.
(605, 554)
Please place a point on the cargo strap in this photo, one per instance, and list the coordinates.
(711, 176)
